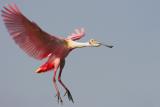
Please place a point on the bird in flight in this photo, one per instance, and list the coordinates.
(39, 44)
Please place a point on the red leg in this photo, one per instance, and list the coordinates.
(60, 81)
(56, 65)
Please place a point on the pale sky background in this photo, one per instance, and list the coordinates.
(126, 76)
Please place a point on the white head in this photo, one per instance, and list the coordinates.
(94, 43)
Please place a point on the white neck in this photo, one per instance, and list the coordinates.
(81, 45)
(74, 44)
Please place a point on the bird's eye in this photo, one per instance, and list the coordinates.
(91, 41)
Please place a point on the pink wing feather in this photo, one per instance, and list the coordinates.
(28, 35)
(79, 33)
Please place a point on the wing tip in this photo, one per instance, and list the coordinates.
(11, 8)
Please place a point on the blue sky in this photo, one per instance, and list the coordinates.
(126, 76)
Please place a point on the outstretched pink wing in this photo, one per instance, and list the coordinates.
(28, 35)
(79, 33)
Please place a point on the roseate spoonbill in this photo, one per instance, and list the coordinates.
(39, 44)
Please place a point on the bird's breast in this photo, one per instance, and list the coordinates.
(62, 52)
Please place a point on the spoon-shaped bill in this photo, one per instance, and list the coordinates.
(109, 46)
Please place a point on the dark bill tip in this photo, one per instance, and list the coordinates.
(109, 46)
